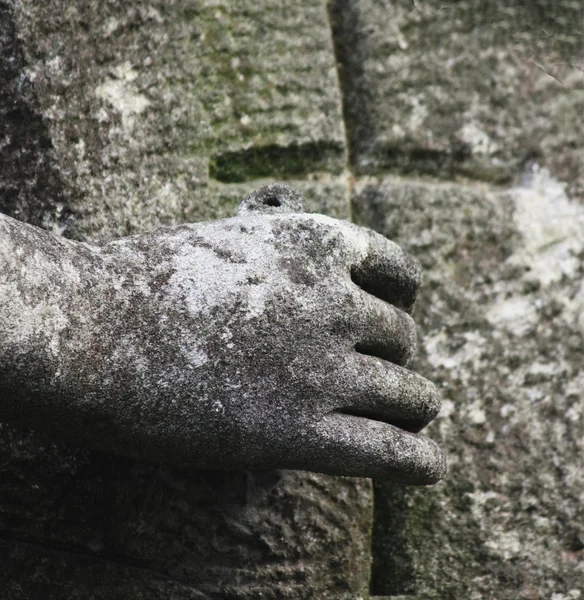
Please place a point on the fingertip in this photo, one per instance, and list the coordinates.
(351, 445)
(388, 272)
(428, 468)
(432, 396)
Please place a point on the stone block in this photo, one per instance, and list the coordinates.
(128, 110)
(469, 88)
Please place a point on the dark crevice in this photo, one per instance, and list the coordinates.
(272, 201)
(344, 19)
(385, 350)
(367, 155)
(411, 425)
(397, 293)
(392, 573)
(357, 105)
(278, 162)
(411, 160)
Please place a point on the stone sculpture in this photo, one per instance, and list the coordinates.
(274, 339)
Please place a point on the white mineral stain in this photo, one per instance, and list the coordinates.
(571, 595)
(205, 279)
(195, 355)
(120, 94)
(28, 320)
(477, 139)
(436, 347)
(54, 65)
(506, 544)
(447, 409)
(476, 414)
(219, 270)
(518, 315)
(418, 114)
(110, 26)
(469, 354)
(575, 306)
(552, 227)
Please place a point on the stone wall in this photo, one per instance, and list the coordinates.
(455, 129)
(464, 123)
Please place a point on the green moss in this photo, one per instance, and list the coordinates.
(275, 161)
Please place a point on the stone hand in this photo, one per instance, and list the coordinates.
(274, 339)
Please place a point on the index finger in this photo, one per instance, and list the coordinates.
(387, 271)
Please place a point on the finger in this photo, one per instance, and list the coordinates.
(386, 271)
(355, 446)
(384, 330)
(379, 390)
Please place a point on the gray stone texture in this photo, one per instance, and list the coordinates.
(109, 125)
(479, 106)
(112, 117)
(125, 110)
(322, 193)
(273, 339)
(471, 88)
(501, 327)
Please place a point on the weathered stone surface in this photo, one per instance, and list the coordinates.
(466, 88)
(501, 326)
(274, 339)
(108, 126)
(83, 525)
(120, 113)
(480, 91)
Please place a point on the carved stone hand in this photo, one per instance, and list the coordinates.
(274, 339)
